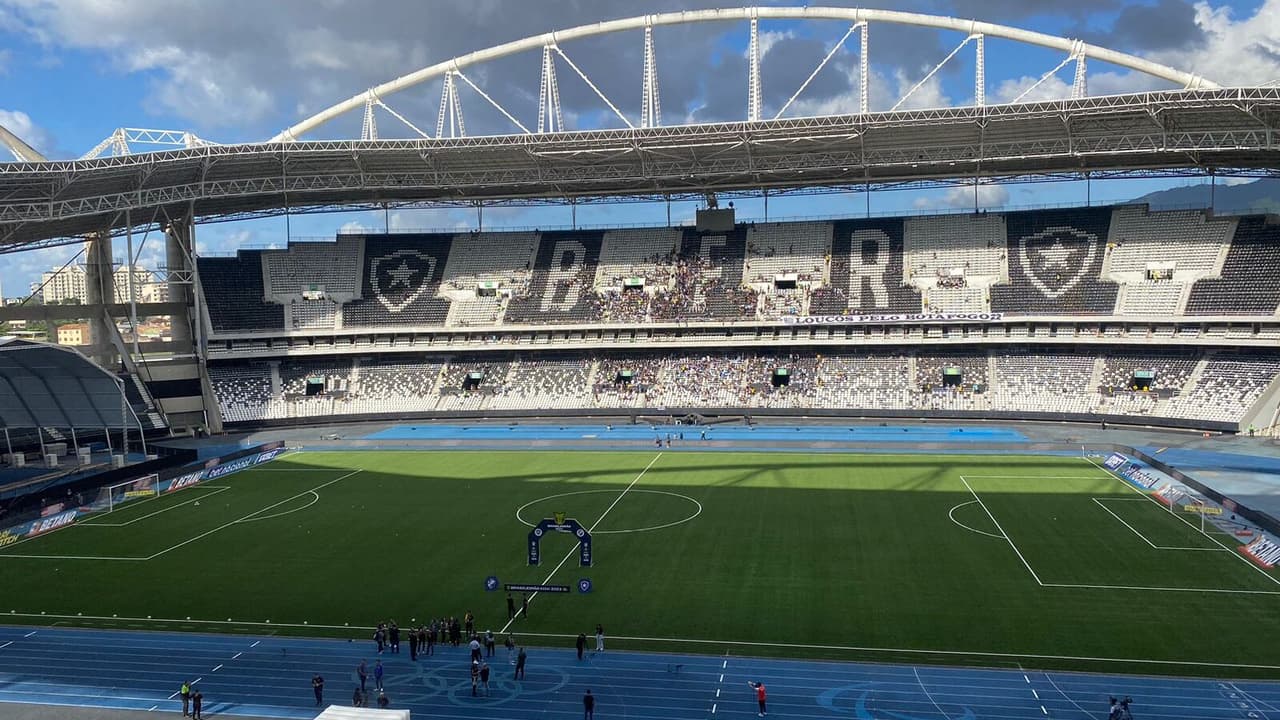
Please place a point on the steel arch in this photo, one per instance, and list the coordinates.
(853, 15)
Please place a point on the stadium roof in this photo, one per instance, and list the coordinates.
(1176, 131)
(45, 385)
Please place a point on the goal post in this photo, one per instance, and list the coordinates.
(143, 488)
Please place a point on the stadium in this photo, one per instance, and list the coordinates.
(963, 461)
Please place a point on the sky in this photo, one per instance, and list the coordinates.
(72, 71)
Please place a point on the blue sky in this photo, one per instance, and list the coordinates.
(72, 71)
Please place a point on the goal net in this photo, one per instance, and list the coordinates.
(126, 492)
(1185, 501)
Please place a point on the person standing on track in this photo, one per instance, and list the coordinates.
(484, 677)
(489, 643)
(520, 660)
(394, 633)
(377, 674)
(588, 706)
(363, 672)
(413, 644)
(511, 650)
(599, 637)
(581, 644)
(760, 696)
(475, 677)
(185, 692)
(197, 703)
(317, 684)
(475, 649)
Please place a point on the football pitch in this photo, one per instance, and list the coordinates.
(1041, 562)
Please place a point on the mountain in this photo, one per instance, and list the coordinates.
(1259, 196)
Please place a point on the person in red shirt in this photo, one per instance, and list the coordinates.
(760, 695)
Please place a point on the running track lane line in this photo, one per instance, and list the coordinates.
(574, 548)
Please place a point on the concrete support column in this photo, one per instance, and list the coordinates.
(178, 260)
(100, 290)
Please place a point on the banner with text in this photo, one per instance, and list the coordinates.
(899, 318)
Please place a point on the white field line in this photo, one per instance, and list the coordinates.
(929, 694)
(574, 548)
(1126, 524)
(1223, 591)
(700, 641)
(1041, 477)
(1002, 532)
(1192, 525)
(315, 499)
(216, 489)
(184, 542)
(1144, 537)
(255, 512)
(951, 515)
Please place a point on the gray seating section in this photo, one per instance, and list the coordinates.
(1250, 281)
(233, 289)
(335, 266)
(1220, 387)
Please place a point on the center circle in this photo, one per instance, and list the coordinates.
(696, 512)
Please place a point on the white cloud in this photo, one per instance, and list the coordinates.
(21, 124)
(1053, 88)
(1236, 52)
(990, 195)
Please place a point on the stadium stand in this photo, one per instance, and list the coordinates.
(1218, 387)
(312, 314)
(1055, 262)
(233, 289)
(333, 266)
(1250, 281)
(401, 281)
(787, 249)
(561, 287)
(866, 270)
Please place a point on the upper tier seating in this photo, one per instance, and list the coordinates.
(561, 288)
(866, 274)
(1250, 282)
(1186, 238)
(503, 258)
(787, 248)
(943, 243)
(648, 254)
(313, 315)
(1055, 260)
(401, 280)
(334, 266)
(708, 280)
(233, 289)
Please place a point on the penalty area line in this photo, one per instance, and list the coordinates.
(1002, 532)
(250, 515)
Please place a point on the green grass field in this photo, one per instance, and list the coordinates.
(1038, 561)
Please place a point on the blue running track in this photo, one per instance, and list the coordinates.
(271, 677)
(760, 433)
